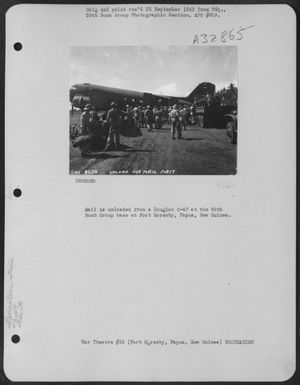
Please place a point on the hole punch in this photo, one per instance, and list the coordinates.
(15, 338)
(18, 46)
(17, 192)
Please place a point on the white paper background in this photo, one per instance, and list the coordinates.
(80, 279)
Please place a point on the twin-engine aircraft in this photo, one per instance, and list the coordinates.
(102, 96)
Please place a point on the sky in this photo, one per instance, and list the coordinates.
(170, 70)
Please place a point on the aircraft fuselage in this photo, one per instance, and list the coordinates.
(101, 97)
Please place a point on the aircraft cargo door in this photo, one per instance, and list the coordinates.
(147, 99)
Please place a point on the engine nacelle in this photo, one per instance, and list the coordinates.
(80, 101)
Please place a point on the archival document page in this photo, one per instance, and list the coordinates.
(150, 157)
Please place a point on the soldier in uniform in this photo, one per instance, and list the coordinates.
(93, 115)
(129, 116)
(137, 116)
(157, 112)
(183, 114)
(192, 115)
(165, 115)
(143, 117)
(175, 120)
(96, 129)
(114, 117)
(85, 131)
(84, 119)
(149, 118)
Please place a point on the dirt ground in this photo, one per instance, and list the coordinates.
(200, 152)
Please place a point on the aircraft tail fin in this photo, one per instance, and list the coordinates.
(202, 89)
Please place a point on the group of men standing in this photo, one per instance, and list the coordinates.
(156, 117)
(89, 119)
(88, 115)
(137, 117)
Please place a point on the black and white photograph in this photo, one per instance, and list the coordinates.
(147, 238)
(153, 110)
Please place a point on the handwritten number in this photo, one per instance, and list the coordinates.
(224, 33)
(231, 35)
(224, 37)
(239, 32)
(204, 38)
(213, 38)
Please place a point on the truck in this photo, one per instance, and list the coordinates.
(216, 109)
(218, 116)
(212, 115)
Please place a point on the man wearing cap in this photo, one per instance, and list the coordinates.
(183, 113)
(157, 113)
(93, 115)
(165, 115)
(137, 116)
(128, 115)
(85, 132)
(114, 116)
(85, 118)
(175, 120)
(149, 118)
